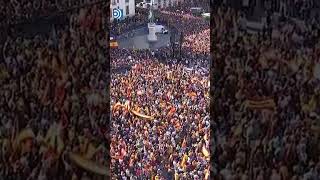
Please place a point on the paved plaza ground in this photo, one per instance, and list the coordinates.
(137, 39)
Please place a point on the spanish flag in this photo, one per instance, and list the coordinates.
(192, 94)
(176, 176)
(207, 174)
(172, 111)
(205, 152)
(184, 161)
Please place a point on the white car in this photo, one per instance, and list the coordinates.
(164, 31)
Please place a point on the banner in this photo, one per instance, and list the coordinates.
(127, 106)
(88, 164)
(141, 115)
(261, 104)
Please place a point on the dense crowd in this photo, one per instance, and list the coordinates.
(125, 58)
(160, 124)
(185, 8)
(156, 147)
(16, 11)
(195, 29)
(54, 98)
(298, 8)
(266, 92)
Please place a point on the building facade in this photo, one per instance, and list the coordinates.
(128, 7)
(167, 3)
(161, 3)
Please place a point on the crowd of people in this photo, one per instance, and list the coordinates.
(195, 29)
(54, 101)
(143, 147)
(160, 124)
(265, 88)
(266, 99)
(17, 11)
(125, 58)
(297, 8)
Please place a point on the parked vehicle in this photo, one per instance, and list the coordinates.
(161, 29)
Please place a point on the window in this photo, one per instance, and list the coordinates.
(127, 10)
(127, 1)
(113, 2)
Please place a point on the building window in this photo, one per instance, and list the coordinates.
(127, 1)
(113, 2)
(118, 1)
(127, 10)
